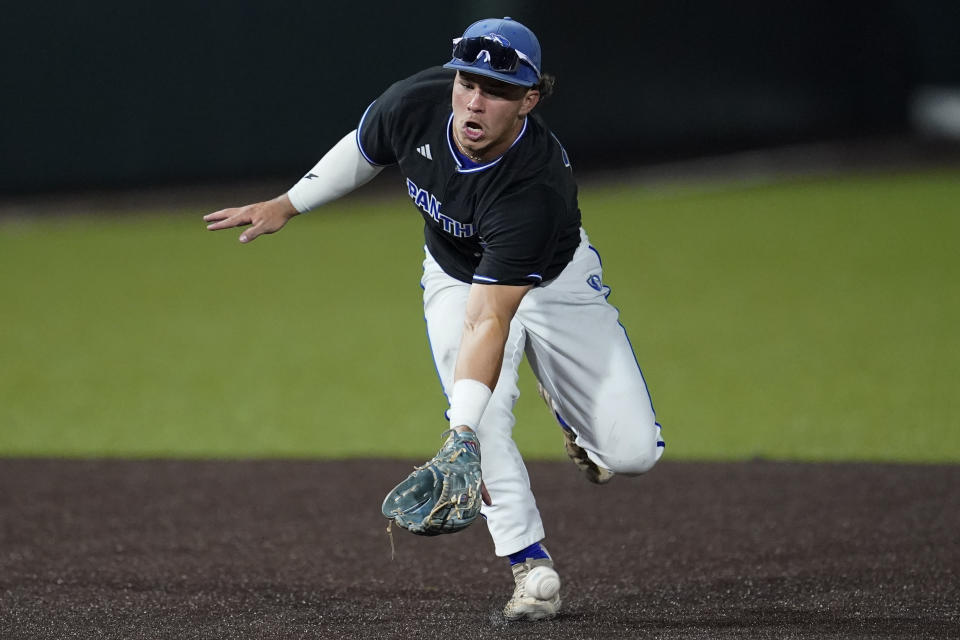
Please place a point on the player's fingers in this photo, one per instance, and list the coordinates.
(251, 233)
(234, 220)
(485, 494)
(218, 215)
(228, 217)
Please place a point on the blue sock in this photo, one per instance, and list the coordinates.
(532, 552)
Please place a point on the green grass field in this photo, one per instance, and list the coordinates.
(813, 319)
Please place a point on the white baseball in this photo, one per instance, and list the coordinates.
(542, 583)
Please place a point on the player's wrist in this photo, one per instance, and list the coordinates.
(284, 206)
(468, 401)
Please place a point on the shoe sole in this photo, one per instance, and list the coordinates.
(594, 473)
(533, 615)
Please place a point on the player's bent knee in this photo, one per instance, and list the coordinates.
(636, 465)
(636, 455)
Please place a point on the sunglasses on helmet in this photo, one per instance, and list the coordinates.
(499, 56)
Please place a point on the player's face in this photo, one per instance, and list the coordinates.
(488, 114)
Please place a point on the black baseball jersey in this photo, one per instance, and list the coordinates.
(514, 220)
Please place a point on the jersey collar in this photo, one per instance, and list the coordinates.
(480, 167)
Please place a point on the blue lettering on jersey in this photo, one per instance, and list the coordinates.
(428, 203)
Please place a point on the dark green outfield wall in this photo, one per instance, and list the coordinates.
(140, 92)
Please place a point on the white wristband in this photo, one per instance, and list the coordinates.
(467, 403)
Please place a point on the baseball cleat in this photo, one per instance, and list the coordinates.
(594, 472)
(523, 606)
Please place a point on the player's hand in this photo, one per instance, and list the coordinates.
(263, 217)
(484, 494)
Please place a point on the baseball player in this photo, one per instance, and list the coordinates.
(508, 272)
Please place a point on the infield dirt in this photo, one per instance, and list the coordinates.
(280, 549)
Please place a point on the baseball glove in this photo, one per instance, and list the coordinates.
(443, 495)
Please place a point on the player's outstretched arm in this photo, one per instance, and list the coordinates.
(490, 308)
(339, 171)
(262, 217)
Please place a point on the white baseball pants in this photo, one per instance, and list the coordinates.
(580, 353)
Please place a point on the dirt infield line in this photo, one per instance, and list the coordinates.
(275, 549)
